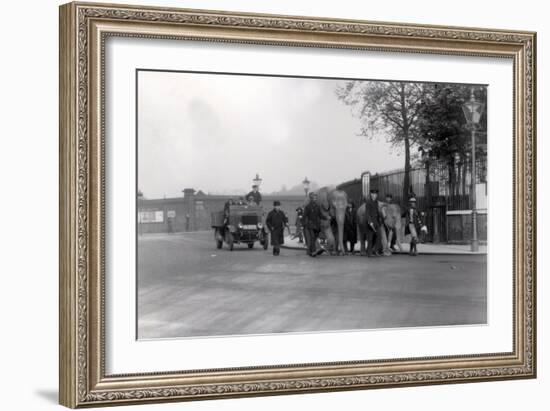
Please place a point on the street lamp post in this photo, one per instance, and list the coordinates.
(473, 110)
(257, 180)
(306, 183)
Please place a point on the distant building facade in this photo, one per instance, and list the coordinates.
(192, 211)
(442, 191)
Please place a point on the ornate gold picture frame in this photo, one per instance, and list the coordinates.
(84, 29)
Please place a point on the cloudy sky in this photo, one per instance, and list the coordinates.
(214, 132)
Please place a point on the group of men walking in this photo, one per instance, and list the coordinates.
(311, 219)
(378, 228)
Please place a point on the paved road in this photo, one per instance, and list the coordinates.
(186, 287)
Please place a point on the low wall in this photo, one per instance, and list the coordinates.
(459, 226)
(192, 212)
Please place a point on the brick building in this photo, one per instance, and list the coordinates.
(192, 211)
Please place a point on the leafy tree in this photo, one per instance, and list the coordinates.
(441, 120)
(389, 107)
(443, 128)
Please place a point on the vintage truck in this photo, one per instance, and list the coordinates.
(239, 224)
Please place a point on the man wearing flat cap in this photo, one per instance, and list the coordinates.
(413, 225)
(374, 224)
(255, 194)
(276, 222)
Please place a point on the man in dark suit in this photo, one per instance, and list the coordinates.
(312, 225)
(374, 224)
(350, 227)
(255, 194)
(276, 222)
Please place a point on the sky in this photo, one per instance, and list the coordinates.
(214, 132)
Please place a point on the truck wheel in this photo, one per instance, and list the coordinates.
(229, 241)
(250, 245)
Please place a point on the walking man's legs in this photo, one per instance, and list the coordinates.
(370, 241)
(414, 240)
(392, 237)
(311, 240)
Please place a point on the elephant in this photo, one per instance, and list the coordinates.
(333, 203)
(391, 214)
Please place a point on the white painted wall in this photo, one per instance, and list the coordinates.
(28, 165)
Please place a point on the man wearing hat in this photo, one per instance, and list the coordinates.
(374, 224)
(389, 200)
(250, 201)
(255, 194)
(350, 227)
(312, 224)
(276, 222)
(413, 224)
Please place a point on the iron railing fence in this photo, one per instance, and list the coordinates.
(437, 182)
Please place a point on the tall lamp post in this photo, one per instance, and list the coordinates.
(306, 183)
(257, 180)
(473, 110)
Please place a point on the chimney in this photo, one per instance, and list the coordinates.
(188, 192)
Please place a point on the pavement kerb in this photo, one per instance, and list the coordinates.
(420, 252)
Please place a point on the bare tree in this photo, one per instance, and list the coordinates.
(391, 107)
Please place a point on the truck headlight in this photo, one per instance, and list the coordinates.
(260, 225)
(240, 225)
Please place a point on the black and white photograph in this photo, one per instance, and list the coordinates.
(275, 205)
(271, 204)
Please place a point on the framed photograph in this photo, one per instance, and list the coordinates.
(259, 204)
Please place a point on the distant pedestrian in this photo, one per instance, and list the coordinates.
(276, 222)
(299, 225)
(312, 225)
(413, 225)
